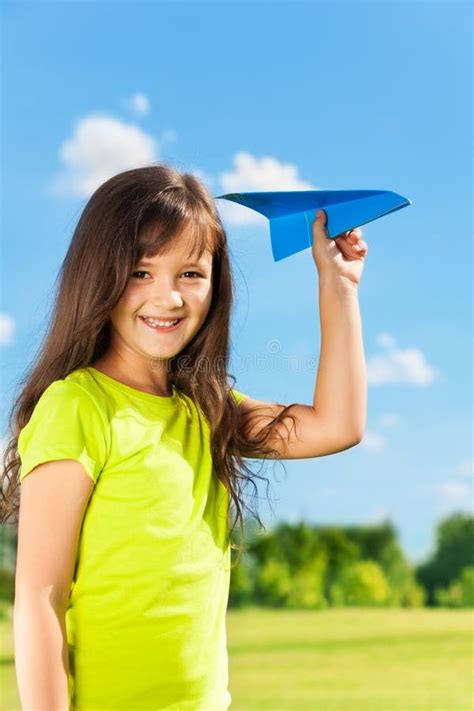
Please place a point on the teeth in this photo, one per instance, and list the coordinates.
(152, 322)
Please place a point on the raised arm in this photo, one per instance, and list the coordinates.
(335, 420)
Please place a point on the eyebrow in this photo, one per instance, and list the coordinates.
(146, 263)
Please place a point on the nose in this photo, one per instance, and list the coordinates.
(166, 296)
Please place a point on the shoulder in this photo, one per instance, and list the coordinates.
(67, 422)
(72, 396)
(80, 384)
(63, 391)
(71, 389)
(237, 395)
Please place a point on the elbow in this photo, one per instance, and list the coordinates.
(356, 439)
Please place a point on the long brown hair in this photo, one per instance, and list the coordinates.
(132, 215)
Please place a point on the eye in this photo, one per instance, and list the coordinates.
(135, 274)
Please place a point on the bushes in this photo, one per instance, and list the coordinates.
(362, 583)
(273, 583)
(454, 552)
(312, 567)
(460, 593)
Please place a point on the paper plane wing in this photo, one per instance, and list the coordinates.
(292, 213)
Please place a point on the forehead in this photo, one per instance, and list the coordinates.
(190, 242)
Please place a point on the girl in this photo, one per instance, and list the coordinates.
(129, 444)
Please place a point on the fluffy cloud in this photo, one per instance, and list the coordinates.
(252, 174)
(453, 491)
(101, 146)
(399, 365)
(139, 104)
(7, 326)
(372, 441)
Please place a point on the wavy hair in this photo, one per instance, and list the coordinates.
(132, 215)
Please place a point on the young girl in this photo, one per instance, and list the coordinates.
(129, 444)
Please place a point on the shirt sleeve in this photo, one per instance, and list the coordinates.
(238, 396)
(66, 423)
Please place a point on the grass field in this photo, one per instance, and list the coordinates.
(339, 659)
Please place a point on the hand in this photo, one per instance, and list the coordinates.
(337, 257)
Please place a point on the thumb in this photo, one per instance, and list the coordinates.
(319, 224)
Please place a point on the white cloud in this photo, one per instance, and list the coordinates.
(101, 146)
(251, 174)
(454, 492)
(7, 326)
(398, 365)
(386, 340)
(457, 491)
(372, 441)
(139, 104)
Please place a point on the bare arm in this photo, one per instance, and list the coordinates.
(336, 419)
(53, 500)
(41, 656)
(340, 394)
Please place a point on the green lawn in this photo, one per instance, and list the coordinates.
(345, 659)
(351, 660)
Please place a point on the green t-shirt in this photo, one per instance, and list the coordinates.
(146, 613)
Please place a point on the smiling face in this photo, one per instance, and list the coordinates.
(173, 285)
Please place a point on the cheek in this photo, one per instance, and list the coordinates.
(128, 301)
(123, 308)
(198, 298)
(205, 299)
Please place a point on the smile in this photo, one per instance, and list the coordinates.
(154, 326)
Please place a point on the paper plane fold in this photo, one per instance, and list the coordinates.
(292, 213)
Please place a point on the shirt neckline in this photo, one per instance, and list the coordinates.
(162, 400)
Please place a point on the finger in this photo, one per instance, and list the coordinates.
(350, 238)
(351, 250)
(360, 247)
(320, 220)
(321, 216)
(319, 226)
(345, 247)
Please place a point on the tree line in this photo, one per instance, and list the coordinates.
(314, 567)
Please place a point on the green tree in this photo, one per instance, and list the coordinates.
(454, 551)
(460, 592)
(293, 544)
(340, 553)
(241, 584)
(307, 585)
(414, 595)
(8, 546)
(380, 543)
(273, 583)
(362, 583)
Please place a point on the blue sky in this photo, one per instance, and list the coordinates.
(262, 96)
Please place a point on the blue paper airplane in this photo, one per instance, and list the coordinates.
(291, 214)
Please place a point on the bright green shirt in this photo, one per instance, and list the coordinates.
(146, 613)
